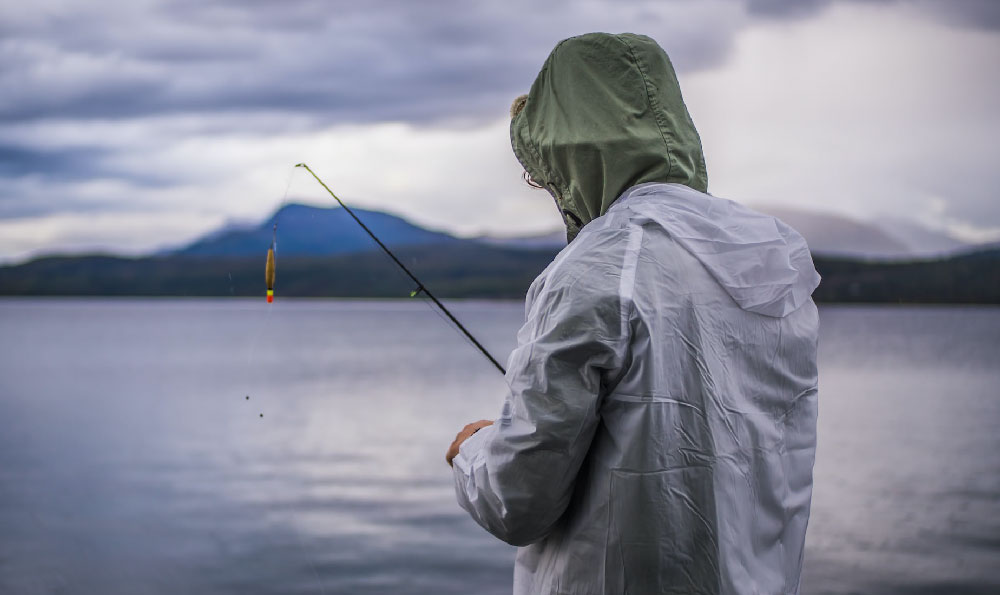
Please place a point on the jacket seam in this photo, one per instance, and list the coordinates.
(579, 430)
(650, 101)
(626, 286)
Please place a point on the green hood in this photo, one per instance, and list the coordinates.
(605, 114)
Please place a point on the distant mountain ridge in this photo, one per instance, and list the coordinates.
(324, 253)
(476, 271)
(554, 239)
(829, 234)
(922, 241)
(326, 231)
(314, 231)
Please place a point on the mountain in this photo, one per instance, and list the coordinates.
(320, 231)
(477, 270)
(323, 253)
(971, 277)
(893, 238)
(920, 240)
(555, 239)
(314, 231)
(834, 235)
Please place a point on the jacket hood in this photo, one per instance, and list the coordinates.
(604, 114)
(762, 263)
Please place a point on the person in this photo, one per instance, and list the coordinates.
(659, 432)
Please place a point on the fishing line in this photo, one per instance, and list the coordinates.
(421, 288)
(267, 315)
(264, 330)
(428, 299)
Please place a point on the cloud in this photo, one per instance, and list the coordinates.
(16, 160)
(976, 14)
(893, 119)
(462, 179)
(193, 110)
(344, 61)
(786, 8)
(119, 233)
(341, 62)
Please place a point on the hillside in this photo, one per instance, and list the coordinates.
(476, 270)
(314, 231)
(966, 278)
(322, 253)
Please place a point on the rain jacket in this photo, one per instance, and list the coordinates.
(660, 427)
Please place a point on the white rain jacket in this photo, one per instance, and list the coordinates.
(660, 431)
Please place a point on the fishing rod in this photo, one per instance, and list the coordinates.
(421, 288)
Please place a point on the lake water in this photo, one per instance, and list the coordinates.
(131, 460)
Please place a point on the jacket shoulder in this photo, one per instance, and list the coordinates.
(595, 258)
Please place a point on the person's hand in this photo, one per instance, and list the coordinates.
(462, 436)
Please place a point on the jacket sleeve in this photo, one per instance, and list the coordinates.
(516, 477)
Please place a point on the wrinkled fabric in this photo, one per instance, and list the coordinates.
(604, 114)
(659, 432)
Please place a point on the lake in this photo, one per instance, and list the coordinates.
(221, 446)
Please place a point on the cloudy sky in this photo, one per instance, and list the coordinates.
(131, 126)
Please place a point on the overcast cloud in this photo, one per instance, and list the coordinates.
(133, 125)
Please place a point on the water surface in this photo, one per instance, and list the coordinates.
(131, 460)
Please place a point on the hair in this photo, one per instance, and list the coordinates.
(517, 106)
(527, 180)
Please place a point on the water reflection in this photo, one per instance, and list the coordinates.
(131, 461)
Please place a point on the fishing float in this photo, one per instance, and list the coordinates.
(269, 267)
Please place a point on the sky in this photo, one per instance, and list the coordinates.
(136, 126)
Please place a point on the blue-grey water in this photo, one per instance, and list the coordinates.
(131, 460)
